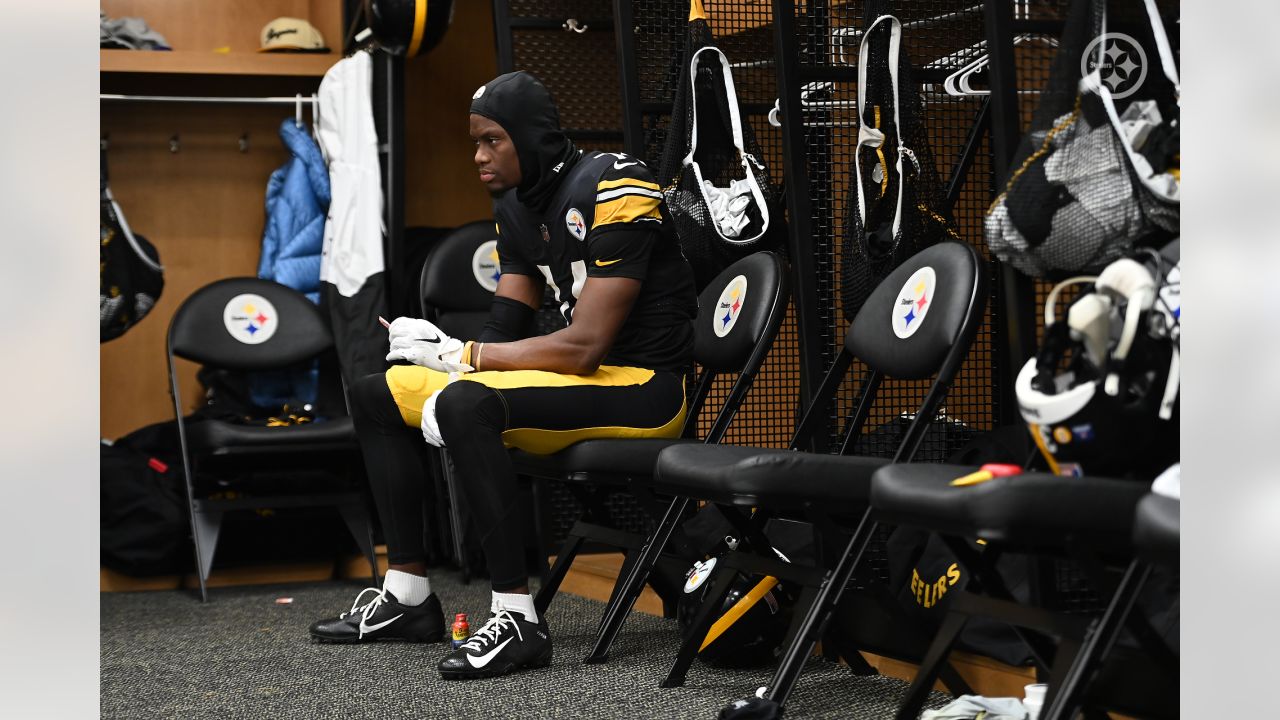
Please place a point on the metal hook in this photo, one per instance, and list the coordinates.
(573, 25)
(244, 143)
(175, 144)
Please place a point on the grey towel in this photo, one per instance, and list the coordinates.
(976, 707)
(129, 32)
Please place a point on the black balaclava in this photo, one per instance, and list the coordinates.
(520, 103)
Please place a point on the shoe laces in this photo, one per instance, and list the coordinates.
(489, 633)
(368, 609)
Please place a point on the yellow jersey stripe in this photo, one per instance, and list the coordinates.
(625, 209)
(633, 182)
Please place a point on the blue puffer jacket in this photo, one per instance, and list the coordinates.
(297, 202)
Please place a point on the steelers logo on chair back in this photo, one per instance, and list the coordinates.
(250, 318)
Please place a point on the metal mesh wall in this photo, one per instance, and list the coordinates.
(744, 32)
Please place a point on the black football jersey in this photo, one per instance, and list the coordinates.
(606, 220)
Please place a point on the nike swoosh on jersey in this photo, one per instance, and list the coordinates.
(607, 263)
(365, 629)
(619, 164)
(482, 660)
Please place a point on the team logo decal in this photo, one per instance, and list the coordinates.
(729, 307)
(576, 224)
(698, 574)
(484, 265)
(250, 318)
(478, 93)
(1124, 63)
(914, 300)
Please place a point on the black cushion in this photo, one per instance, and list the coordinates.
(750, 476)
(451, 273)
(208, 328)
(1034, 509)
(1156, 528)
(632, 458)
(958, 292)
(763, 292)
(222, 438)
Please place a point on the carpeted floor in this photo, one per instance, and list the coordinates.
(242, 655)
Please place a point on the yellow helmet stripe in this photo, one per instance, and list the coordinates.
(739, 609)
(419, 25)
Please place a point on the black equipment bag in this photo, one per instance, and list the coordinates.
(131, 277)
(143, 511)
(895, 208)
(1098, 172)
(708, 142)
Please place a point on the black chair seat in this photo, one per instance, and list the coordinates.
(1033, 509)
(219, 438)
(749, 476)
(1156, 529)
(611, 459)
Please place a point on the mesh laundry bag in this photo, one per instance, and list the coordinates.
(895, 208)
(718, 194)
(1098, 171)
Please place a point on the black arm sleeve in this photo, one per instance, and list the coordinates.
(508, 320)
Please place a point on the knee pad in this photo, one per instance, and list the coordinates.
(465, 406)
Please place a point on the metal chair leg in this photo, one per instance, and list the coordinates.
(721, 579)
(205, 526)
(629, 591)
(921, 686)
(564, 559)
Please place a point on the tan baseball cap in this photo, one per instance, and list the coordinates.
(286, 33)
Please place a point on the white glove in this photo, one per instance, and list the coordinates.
(422, 343)
(430, 428)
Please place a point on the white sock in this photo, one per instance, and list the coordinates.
(408, 589)
(515, 602)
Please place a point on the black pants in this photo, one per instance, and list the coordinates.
(479, 417)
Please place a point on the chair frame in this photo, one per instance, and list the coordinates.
(206, 513)
(640, 552)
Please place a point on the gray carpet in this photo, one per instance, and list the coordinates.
(166, 655)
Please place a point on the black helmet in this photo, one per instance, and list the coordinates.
(408, 27)
(750, 623)
(1101, 396)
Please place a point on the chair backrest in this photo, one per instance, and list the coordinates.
(247, 324)
(915, 317)
(459, 277)
(739, 313)
(917, 323)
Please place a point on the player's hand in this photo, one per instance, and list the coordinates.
(430, 428)
(422, 343)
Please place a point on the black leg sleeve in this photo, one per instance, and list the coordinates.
(394, 466)
(472, 418)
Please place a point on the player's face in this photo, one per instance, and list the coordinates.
(495, 155)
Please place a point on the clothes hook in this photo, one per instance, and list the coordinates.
(244, 142)
(573, 25)
(175, 144)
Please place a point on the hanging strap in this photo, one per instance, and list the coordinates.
(874, 137)
(1163, 47)
(735, 122)
(128, 233)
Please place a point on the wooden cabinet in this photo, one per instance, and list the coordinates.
(203, 206)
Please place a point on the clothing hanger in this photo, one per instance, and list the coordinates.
(960, 82)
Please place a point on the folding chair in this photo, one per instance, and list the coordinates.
(918, 323)
(738, 318)
(252, 324)
(1087, 519)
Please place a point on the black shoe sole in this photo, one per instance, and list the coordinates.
(489, 672)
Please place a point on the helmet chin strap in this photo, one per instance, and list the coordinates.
(1131, 281)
